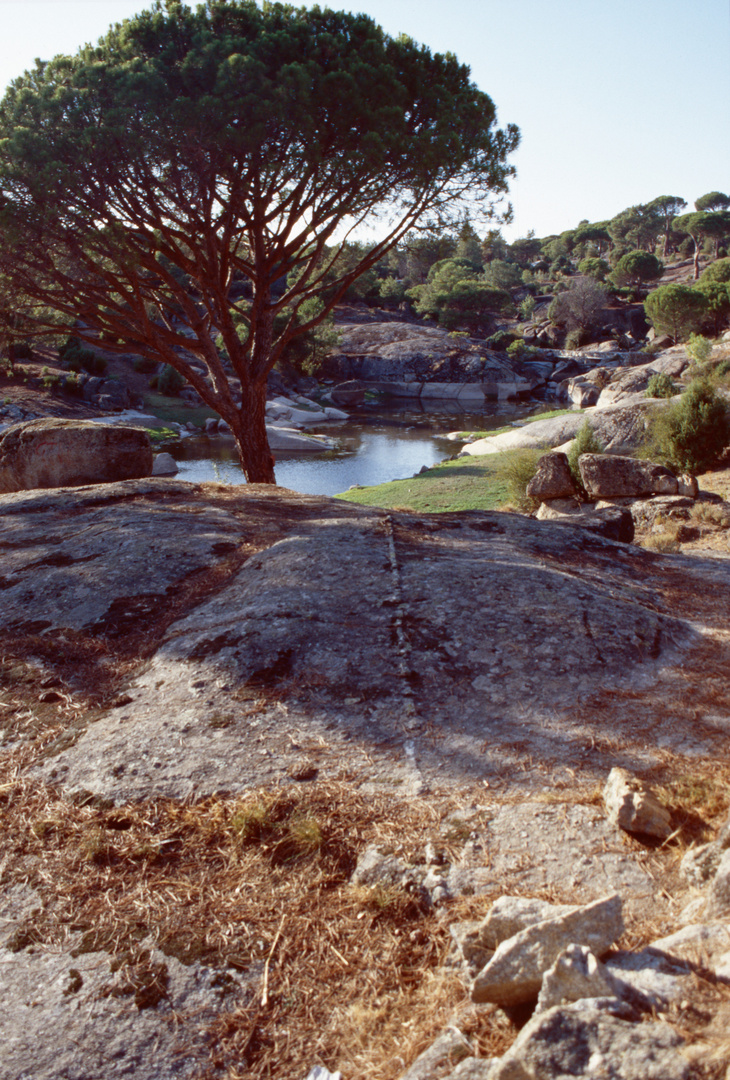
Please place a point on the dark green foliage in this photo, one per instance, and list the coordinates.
(75, 357)
(231, 143)
(636, 268)
(23, 351)
(693, 432)
(718, 271)
(593, 268)
(501, 341)
(676, 310)
(717, 299)
(169, 382)
(660, 386)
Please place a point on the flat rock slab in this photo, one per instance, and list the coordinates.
(71, 1016)
(536, 846)
(267, 627)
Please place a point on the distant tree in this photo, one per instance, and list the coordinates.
(713, 201)
(139, 177)
(676, 310)
(502, 275)
(636, 268)
(416, 254)
(581, 306)
(596, 233)
(457, 296)
(593, 268)
(468, 244)
(637, 227)
(717, 297)
(525, 250)
(667, 206)
(701, 226)
(494, 246)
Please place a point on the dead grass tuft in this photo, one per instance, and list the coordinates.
(347, 977)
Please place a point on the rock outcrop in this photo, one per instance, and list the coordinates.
(64, 453)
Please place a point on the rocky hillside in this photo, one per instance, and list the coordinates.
(269, 760)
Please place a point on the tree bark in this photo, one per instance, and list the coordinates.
(248, 425)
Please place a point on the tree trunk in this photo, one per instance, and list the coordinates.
(697, 258)
(249, 431)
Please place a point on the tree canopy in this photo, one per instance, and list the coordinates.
(187, 149)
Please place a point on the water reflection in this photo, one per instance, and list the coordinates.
(372, 447)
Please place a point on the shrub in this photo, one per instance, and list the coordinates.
(699, 348)
(585, 442)
(170, 382)
(519, 467)
(501, 340)
(693, 432)
(76, 358)
(520, 350)
(575, 338)
(660, 386)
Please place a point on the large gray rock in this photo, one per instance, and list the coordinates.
(700, 864)
(290, 598)
(608, 476)
(576, 974)
(54, 453)
(620, 429)
(613, 522)
(552, 479)
(582, 1040)
(514, 974)
(633, 807)
(510, 914)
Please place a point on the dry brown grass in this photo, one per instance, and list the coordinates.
(348, 977)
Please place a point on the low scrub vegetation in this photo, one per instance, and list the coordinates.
(692, 434)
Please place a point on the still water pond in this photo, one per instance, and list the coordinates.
(372, 448)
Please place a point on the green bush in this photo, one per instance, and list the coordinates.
(575, 338)
(519, 467)
(501, 340)
(699, 348)
(693, 432)
(585, 442)
(660, 386)
(520, 350)
(76, 358)
(170, 382)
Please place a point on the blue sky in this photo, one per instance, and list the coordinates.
(618, 101)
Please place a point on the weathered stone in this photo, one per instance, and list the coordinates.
(700, 864)
(576, 974)
(583, 393)
(620, 428)
(552, 479)
(514, 974)
(164, 465)
(447, 1051)
(56, 453)
(473, 1069)
(298, 573)
(375, 867)
(608, 476)
(650, 977)
(719, 905)
(613, 522)
(703, 943)
(582, 1040)
(76, 1017)
(633, 807)
(510, 914)
(687, 485)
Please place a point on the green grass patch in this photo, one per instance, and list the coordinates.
(175, 410)
(469, 483)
